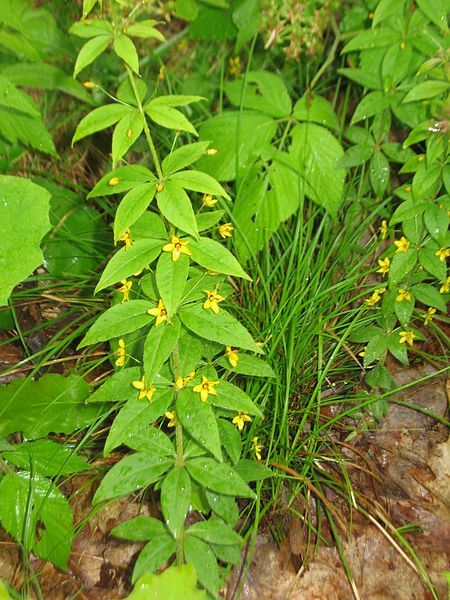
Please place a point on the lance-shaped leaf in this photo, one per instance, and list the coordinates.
(168, 117)
(158, 347)
(218, 477)
(175, 205)
(154, 555)
(199, 420)
(176, 499)
(133, 204)
(215, 257)
(121, 180)
(117, 388)
(233, 398)
(126, 50)
(183, 157)
(145, 29)
(99, 119)
(127, 131)
(197, 181)
(171, 277)
(90, 51)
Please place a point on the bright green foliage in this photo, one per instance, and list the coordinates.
(24, 221)
(174, 583)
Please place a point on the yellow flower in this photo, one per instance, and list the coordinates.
(225, 230)
(126, 237)
(125, 289)
(232, 356)
(383, 229)
(143, 391)
(209, 201)
(408, 337)
(402, 245)
(179, 383)
(428, 316)
(384, 264)
(445, 289)
(212, 151)
(442, 253)
(162, 72)
(121, 353)
(240, 420)
(362, 353)
(159, 187)
(403, 295)
(177, 247)
(257, 448)
(205, 388)
(235, 66)
(114, 181)
(89, 84)
(212, 300)
(172, 419)
(159, 312)
(375, 297)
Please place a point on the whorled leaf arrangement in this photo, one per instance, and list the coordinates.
(176, 345)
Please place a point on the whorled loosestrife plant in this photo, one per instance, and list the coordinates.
(176, 346)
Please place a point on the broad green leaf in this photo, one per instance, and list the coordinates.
(132, 473)
(12, 97)
(370, 79)
(206, 220)
(133, 204)
(24, 220)
(251, 470)
(149, 226)
(246, 17)
(263, 91)
(46, 457)
(151, 440)
(158, 346)
(238, 138)
(408, 210)
(57, 405)
(436, 221)
(401, 265)
(218, 477)
(121, 180)
(186, 9)
(172, 584)
(199, 182)
(317, 152)
(429, 296)
(199, 420)
(117, 388)
(223, 506)
(355, 156)
(144, 29)
(135, 415)
(398, 350)
(117, 321)
(233, 398)
(373, 38)
(316, 109)
(396, 64)
(36, 514)
(205, 563)
(248, 365)
(404, 310)
(426, 90)
(168, 117)
(436, 11)
(375, 349)
(432, 264)
(139, 529)
(175, 100)
(155, 554)
(128, 261)
(183, 157)
(90, 51)
(372, 104)
(221, 328)
(91, 28)
(175, 205)
(385, 9)
(215, 257)
(88, 5)
(215, 532)
(171, 278)
(190, 351)
(99, 119)
(379, 173)
(176, 499)
(126, 50)
(126, 132)
(231, 439)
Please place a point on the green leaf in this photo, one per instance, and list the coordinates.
(135, 415)
(171, 278)
(403, 310)
(233, 398)
(158, 346)
(263, 91)
(218, 477)
(35, 513)
(426, 90)
(172, 584)
(199, 182)
(355, 156)
(57, 406)
(205, 563)
(238, 138)
(375, 349)
(175, 100)
(132, 473)
(246, 17)
(90, 51)
(221, 328)
(88, 5)
(99, 119)
(318, 151)
(117, 321)
(46, 457)
(373, 38)
(186, 9)
(149, 226)
(183, 157)
(385, 9)
(199, 420)
(251, 470)
(168, 117)
(175, 205)
(139, 529)
(248, 365)
(372, 104)
(151, 440)
(231, 439)
(436, 11)
(176, 499)
(408, 210)
(153, 555)
(429, 296)
(223, 506)
(126, 50)
(126, 132)
(91, 28)
(133, 204)
(215, 532)
(12, 97)
(144, 29)
(432, 264)
(398, 350)
(316, 109)
(207, 220)
(24, 220)
(121, 180)
(436, 221)
(215, 257)
(379, 173)
(401, 265)
(128, 261)
(117, 388)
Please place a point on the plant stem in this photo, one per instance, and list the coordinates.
(148, 135)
